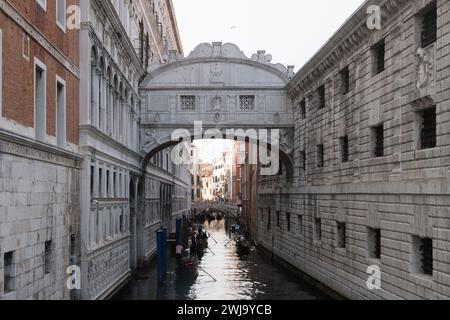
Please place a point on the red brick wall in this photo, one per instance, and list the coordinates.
(18, 72)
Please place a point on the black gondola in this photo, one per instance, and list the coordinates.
(242, 245)
(188, 269)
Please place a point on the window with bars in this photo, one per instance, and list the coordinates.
(321, 96)
(344, 149)
(317, 229)
(278, 219)
(374, 243)
(340, 241)
(429, 25)
(378, 141)
(320, 156)
(187, 103)
(288, 221)
(428, 129)
(303, 109)
(8, 272)
(379, 53)
(345, 81)
(299, 224)
(48, 257)
(303, 159)
(247, 103)
(422, 256)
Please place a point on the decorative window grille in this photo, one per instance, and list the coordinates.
(428, 131)
(344, 149)
(247, 103)
(429, 26)
(187, 103)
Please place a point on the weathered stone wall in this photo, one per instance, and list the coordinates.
(405, 193)
(39, 202)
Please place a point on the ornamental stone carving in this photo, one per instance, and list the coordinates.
(217, 75)
(425, 73)
(151, 139)
(216, 103)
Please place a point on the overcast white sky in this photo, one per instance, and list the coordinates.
(290, 30)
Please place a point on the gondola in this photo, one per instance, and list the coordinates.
(242, 245)
(188, 269)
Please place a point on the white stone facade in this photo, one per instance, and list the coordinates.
(404, 192)
(119, 40)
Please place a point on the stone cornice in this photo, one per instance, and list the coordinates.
(28, 27)
(345, 41)
(94, 132)
(37, 150)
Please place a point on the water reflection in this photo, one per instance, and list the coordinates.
(250, 277)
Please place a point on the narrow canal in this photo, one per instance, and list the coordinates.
(253, 277)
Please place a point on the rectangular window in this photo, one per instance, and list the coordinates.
(303, 159)
(340, 233)
(428, 128)
(299, 225)
(108, 187)
(303, 109)
(61, 113)
(320, 156)
(278, 219)
(345, 81)
(321, 96)
(422, 256)
(269, 216)
(100, 182)
(317, 229)
(247, 103)
(288, 221)
(429, 25)
(48, 258)
(378, 141)
(8, 272)
(344, 149)
(92, 181)
(379, 53)
(114, 184)
(61, 14)
(187, 103)
(374, 243)
(40, 103)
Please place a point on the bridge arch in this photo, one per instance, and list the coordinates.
(218, 86)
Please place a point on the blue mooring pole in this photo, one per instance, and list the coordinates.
(161, 253)
(178, 231)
